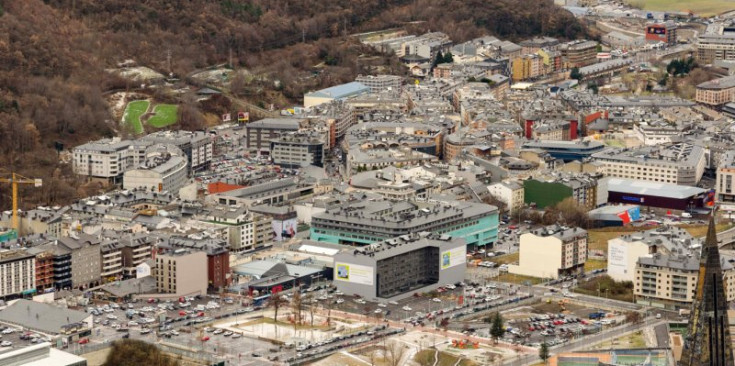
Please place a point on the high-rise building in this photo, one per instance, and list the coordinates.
(708, 337)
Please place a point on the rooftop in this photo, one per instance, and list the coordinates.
(40, 317)
(340, 91)
(652, 188)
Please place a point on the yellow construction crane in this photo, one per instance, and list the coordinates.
(14, 181)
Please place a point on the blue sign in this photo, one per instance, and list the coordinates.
(633, 199)
(634, 213)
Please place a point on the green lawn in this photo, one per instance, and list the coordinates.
(133, 111)
(699, 7)
(165, 115)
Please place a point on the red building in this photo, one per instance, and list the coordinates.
(218, 268)
(665, 33)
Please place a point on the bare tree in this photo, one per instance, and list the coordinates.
(297, 304)
(276, 302)
(312, 307)
(394, 353)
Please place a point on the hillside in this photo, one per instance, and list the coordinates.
(53, 54)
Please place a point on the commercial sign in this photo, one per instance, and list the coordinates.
(354, 273)
(285, 229)
(617, 260)
(453, 257)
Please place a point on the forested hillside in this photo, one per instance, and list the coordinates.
(53, 54)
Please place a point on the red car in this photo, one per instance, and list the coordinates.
(182, 313)
(200, 314)
(84, 341)
(205, 338)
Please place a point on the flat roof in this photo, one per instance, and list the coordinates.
(41, 317)
(647, 188)
(340, 91)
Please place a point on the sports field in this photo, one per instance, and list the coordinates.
(164, 115)
(132, 114)
(699, 7)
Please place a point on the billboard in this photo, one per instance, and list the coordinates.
(617, 260)
(453, 257)
(285, 229)
(354, 273)
(656, 30)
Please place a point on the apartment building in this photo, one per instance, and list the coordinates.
(670, 281)
(399, 267)
(359, 159)
(44, 269)
(258, 134)
(111, 260)
(725, 189)
(86, 258)
(715, 45)
(59, 257)
(299, 149)
(198, 146)
(680, 163)
(365, 222)
(181, 272)
(217, 257)
(551, 252)
(549, 188)
(657, 133)
(17, 273)
(381, 83)
(136, 249)
(665, 33)
(165, 168)
(510, 193)
(272, 192)
(533, 45)
(716, 93)
(246, 230)
(108, 159)
(527, 67)
(623, 252)
(578, 53)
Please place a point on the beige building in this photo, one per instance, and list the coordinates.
(510, 193)
(623, 252)
(108, 159)
(245, 230)
(551, 252)
(17, 272)
(669, 281)
(716, 93)
(681, 163)
(181, 272)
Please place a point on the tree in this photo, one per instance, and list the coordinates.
(439, 58)
(394, 353)
(444, 323)
(297, 305)
(664, 79)
(593, 87)
(130, 352)
(448, 58)
(575, 74)
(497, 329)
(543, 352)
(276, 301)
(633, 317)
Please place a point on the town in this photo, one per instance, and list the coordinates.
(541, 201)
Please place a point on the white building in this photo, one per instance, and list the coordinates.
(164, 169)
(681, 163)
(17, 272)
(510, 193)
(623, 252)
(245, 230)
(725, 176)
(181, 272)
(108, 158)
(551, 252)
(198, 146)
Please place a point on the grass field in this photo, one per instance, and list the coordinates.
(132, 114)
(699, 7)
(165, 115)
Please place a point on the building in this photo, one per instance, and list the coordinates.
(551, 252)
(605, 69)
(218, 257)
(551, 130)
(708, 340)
(165, 168)
(365, 222)
(40, 354)
(619, 40)
(259, 134)
(588, 190)
(198, 146)
(359, 159)
(272, 192)
(246, 230)
(652, 194)
(381, 83)
(623, 252)
(533, 45)
(716, 93)
(135, 250)
(44, 270)
(17, 273)
(399, 267)
(527, 67)
(664, 33)
(60, 258)
(111, 261)
(567, 150)
(86, 258)
(337, 92)
(578, 53)
(725, 189)
(299, 149)
(108, 159)
(181, 272)
(714, 46)
(613, 215)
(510, 193)
(47, 319)
(658, 132)
(681, 163)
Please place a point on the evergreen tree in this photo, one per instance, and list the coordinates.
(448, 58)
(543, 352)
(497, 329)
(575, 74)
(438, 59)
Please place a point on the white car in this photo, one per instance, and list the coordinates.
(450, 287)
(436, 299)
(132, 324)
(382, 305)
(111, 317)
(6, 344)
(145, 331)
(393, 302)
(407, 308)
(339, 301)
(378, 311)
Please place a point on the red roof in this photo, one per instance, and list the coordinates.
(219, 187)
